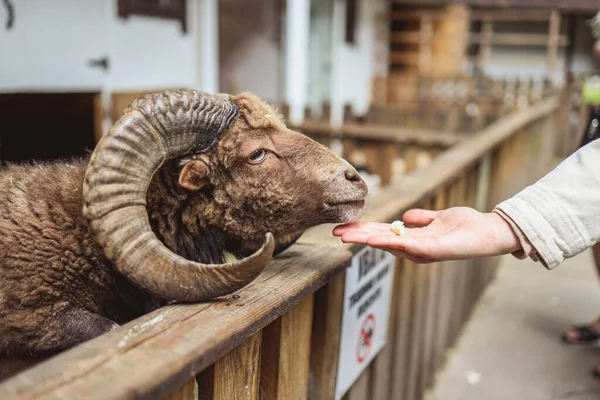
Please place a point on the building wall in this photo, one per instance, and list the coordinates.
(356, 63)
(250, 48)
(50, 44)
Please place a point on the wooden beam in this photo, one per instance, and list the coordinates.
(485, 43)
(285, 357)
(553, 42)
(379, 132)
(425, 45)
(510, 15)
(327, 323)
(235, 376)
(415, 15)
(518, 39)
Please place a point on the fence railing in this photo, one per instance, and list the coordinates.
(279, 337)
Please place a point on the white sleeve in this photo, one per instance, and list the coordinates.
(559, 216)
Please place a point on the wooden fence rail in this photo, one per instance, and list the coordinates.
(279, 337)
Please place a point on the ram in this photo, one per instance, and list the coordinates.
(186, 198)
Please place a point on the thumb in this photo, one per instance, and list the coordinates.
(419, 217)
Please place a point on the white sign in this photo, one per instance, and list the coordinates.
(367, 298)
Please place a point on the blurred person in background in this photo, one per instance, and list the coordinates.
(589, 334)
(554, 219)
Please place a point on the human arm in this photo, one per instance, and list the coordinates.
(555, 218)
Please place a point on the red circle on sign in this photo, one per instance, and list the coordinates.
(365, 339)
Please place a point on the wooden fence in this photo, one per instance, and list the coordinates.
(278, 338)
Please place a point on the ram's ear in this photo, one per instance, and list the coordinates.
(194, 175)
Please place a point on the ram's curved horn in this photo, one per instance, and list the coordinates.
(154, 129)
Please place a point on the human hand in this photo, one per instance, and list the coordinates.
(454, 234)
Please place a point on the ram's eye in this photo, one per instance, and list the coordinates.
(257, 156)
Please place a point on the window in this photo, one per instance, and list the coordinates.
(169, 9)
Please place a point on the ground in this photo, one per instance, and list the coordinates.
(511, 348)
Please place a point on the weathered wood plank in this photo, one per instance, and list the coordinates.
(402, 338)
(382, 376)
(327, 323)
(285, 358)
(235, 375)
(186, 392)
(360, 389)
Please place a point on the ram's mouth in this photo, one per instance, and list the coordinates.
(350, 203)
(344, 212)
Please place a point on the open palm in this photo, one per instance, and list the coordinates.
(454, 234)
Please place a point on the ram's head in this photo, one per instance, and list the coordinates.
(264, 180)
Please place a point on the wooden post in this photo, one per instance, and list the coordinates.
(235, 375)
(410, 158)
(430, 322)
(416, 327)
(383, 375)
(186, 392)
(487, 31)
(425, 50)
(286, 354)
(403, 325)
(442, 294)
(327, 323)
(553, 42)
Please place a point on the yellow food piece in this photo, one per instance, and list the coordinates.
(398, 228)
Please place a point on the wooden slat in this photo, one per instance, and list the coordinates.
(360, 389)
(285, 357)
(235, 375)
(413, 386)
(405, 57)
(426, 45)
(518, 39)
(402, 339)
(327, 322)
(553, 41)
(441, 296)
(382, 374)
(415, 15)
(424, 342)
(410, 158)
(510, 16)
(187, 392)
(98, 117)
(485, 40)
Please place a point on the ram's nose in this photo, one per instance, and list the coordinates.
(353, 177)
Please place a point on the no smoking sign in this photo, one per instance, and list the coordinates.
(367, 296)
(365, 341)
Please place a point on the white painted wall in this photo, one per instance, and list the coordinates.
(148, 53)
(250, 48)
(52, 41)
(320, 54)
(354, 65)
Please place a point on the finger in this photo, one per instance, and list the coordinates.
(405, 255)
(406, 243)
(419, 217)
(356, 237)
(373, 227)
